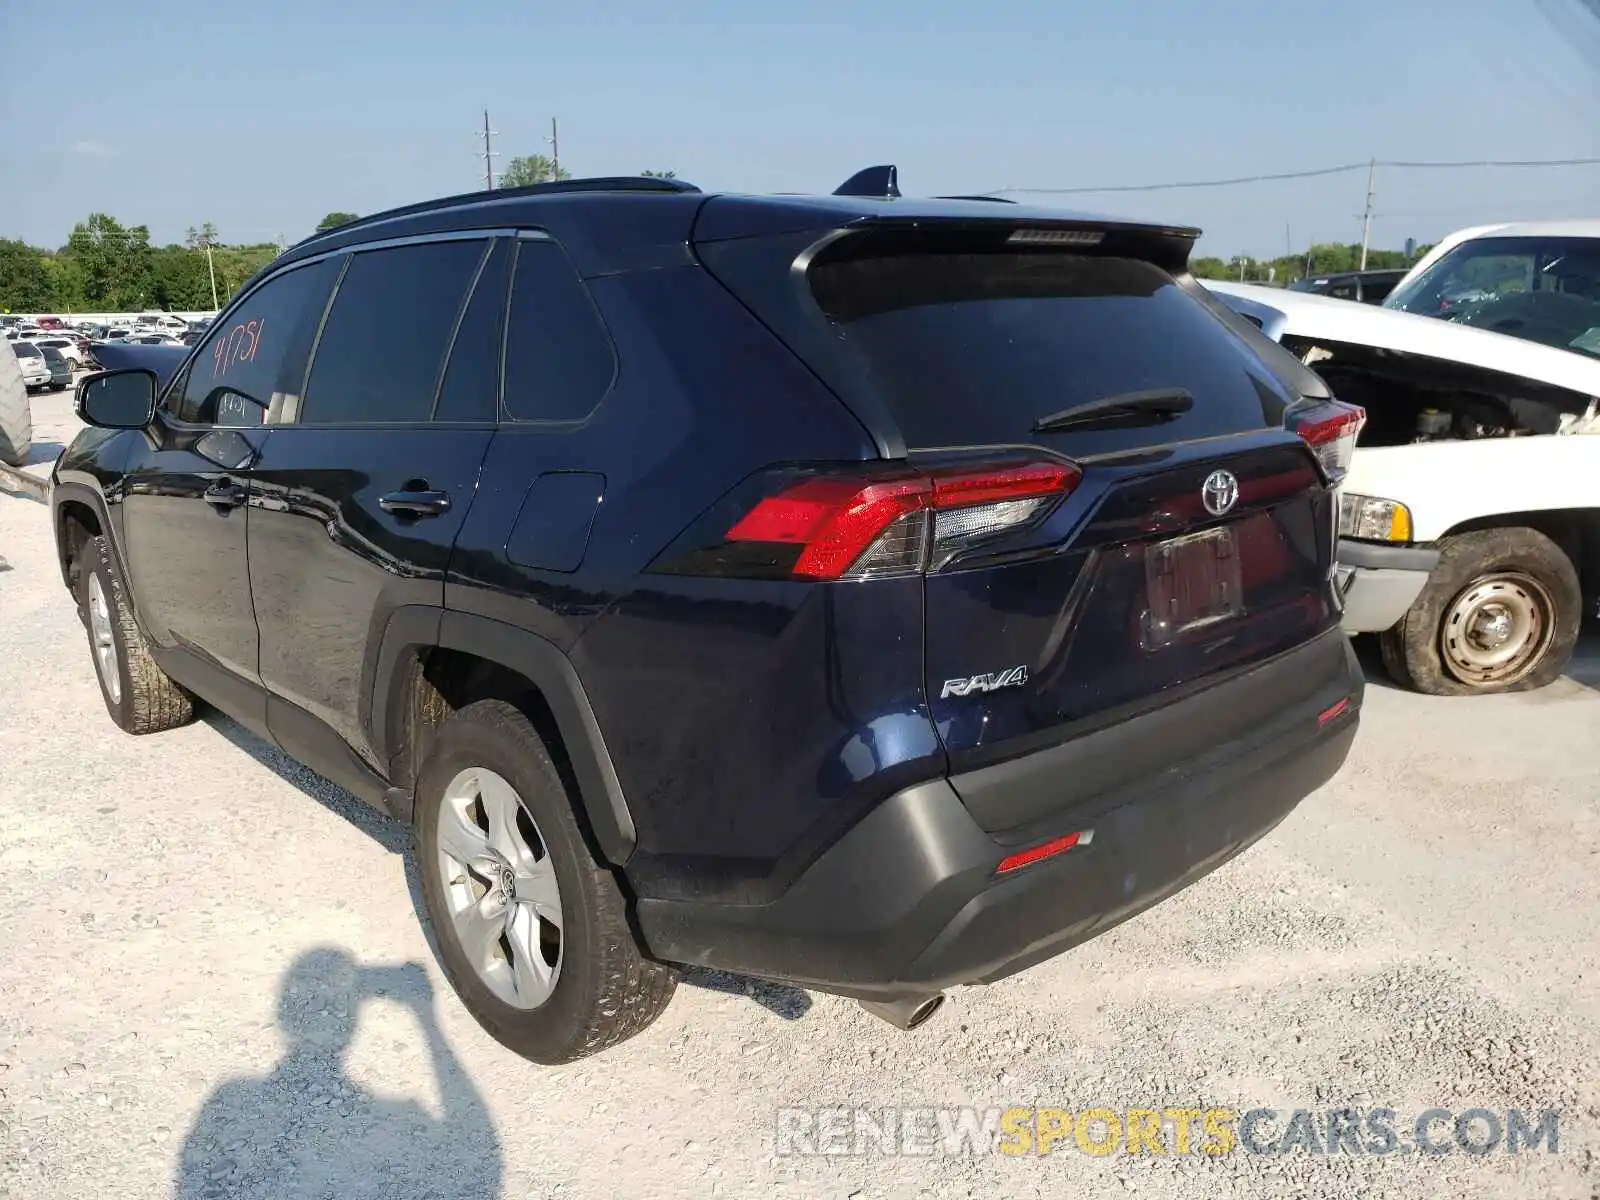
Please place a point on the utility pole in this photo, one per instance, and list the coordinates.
(488, 154)
(555, 152)
(1366, 217)
(211, 268)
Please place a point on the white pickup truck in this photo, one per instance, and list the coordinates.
(1470, 518)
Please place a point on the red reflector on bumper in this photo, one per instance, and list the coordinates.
(1334, 713)
(1025, 858)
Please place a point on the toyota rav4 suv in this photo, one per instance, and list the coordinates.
(869, 593)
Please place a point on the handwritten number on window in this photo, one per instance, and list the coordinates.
(240, 345)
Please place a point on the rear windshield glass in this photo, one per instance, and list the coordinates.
(971, 349)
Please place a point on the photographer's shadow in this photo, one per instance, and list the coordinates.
(306, 1129)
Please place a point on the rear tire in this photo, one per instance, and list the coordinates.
(603, 989)
(1513, 583)
(140, 696)
(16, 426)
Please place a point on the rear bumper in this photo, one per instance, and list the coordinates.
(908, 900)
(1380, 583)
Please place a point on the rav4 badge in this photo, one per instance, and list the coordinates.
(992, 682)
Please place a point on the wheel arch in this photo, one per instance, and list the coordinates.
(1575, 530)
(431, 662)
(78, 515)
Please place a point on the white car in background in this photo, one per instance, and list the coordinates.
(161, 323)
(1470, 517)
(35, 371)
(67, 345)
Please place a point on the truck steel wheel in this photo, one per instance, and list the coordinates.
(1497, 629)
(532, 929)
(1500, 613)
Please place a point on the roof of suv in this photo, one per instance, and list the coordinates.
(600, 220)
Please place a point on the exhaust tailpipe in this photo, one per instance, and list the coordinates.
(905, 1014)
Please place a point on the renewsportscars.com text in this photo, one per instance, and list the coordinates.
(845, 1130)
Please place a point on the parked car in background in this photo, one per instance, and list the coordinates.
(1364, 287)
(60, 368)
(154, 339)
(51, 323)
(162, 361)
(67, 346)
(162, 323)
(1470, 517)
(35, 371)
(836, 703)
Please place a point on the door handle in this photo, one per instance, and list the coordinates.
(224, 493)
(415, 504)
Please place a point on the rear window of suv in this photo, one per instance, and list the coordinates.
(974, 348)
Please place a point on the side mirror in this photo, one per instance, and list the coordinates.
(123, 399)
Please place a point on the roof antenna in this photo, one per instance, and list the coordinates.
(877, 182)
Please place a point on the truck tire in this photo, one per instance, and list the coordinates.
(140, 696)
(1500, 613)
(16, 419)
(531, 928)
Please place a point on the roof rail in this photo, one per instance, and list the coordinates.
(990, 199)
(606, 183)
(881, 182)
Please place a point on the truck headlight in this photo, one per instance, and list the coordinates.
(1370, 519)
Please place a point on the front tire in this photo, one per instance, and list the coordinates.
(532, 929)
(1500, 613)
(140, 696)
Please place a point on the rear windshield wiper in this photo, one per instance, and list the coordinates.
(1158, 404)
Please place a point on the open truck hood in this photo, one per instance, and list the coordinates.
(1284, 313)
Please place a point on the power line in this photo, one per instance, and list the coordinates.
(1162, 187)
(1314, 173)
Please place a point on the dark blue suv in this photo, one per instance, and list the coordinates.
(870, 593)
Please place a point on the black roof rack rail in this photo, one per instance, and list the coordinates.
(605, 183)
(880, 182)
(990, 199)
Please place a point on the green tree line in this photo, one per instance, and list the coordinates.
(1324, 258)
(106, 266)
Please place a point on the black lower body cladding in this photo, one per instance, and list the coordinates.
(908, 901)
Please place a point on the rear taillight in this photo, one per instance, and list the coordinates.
(1330, 429)
(831, 527)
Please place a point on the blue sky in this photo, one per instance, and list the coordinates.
(262, 117)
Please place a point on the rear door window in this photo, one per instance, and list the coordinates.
(382, 348)
(471, 388)
(973, 349)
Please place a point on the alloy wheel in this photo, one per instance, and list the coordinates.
(500, 887)
(105, 646)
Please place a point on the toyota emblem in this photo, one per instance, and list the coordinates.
(1220, 492)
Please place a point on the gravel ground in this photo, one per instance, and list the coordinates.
(213, 983)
